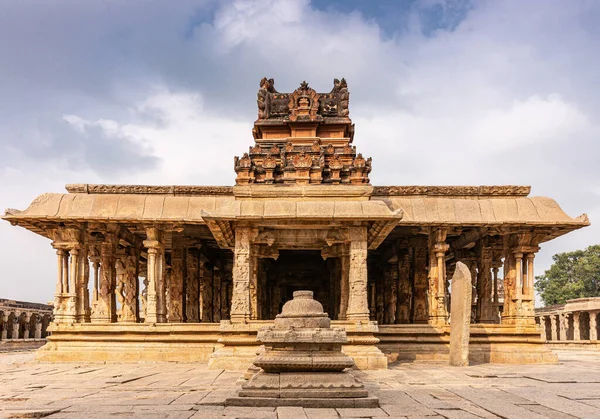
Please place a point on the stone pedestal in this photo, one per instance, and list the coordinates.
(303, 364)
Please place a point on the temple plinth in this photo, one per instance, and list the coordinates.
(192, 273)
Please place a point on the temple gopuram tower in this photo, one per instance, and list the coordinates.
(191, 273)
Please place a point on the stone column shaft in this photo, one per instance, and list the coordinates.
(593, 325)
(192, 287)
(437, 277)
(358, 304)
(344, 283)
(543, 328)
(576, 328)
(553, 328)
(528, 289)
(175, 303)
(242, 270)
(564, 326)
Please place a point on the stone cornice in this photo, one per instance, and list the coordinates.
(149, 189)
(501, 190)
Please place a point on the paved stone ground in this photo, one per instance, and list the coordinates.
(90, 391)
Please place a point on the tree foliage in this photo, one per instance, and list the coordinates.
(572, 275)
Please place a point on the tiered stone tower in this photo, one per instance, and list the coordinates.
(303, 363)
(303, 137)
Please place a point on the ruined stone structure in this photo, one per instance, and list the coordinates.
(192, 272)
(22, 320)
(575, 322)
(302, 363)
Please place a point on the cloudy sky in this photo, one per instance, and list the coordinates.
(160, 92)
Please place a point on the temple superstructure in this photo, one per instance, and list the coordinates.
(192, 272)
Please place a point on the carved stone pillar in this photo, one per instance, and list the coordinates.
(175, 302)
(192, 296)
(437, 277)
(390, 292)
(127, 286)
(420, 311)
(26, 324)
(576, 326)
(206, 291)
(94, 258)
(4, 320)
(543, 327)
(61, 285)
(105, 310)
(553, 328)
(82, 278)
(254, 304)
(16, 326)
(38, 327)
(226, 284)
(358, 305)
(344, 282)
(564, 325)
(155, 276)
(242, 270)
(485, 305)
(216, 303)
(496, 265)
(403, 304)
(593, 325)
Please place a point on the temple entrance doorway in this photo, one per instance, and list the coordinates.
(296, 270)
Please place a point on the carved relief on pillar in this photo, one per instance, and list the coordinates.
(358, 308)
(192, 290)
(68, 242)
(175, 282)
(485, 305)
(26, 324)
(344, 282)
(553, 328)
(253, 288)
(206, 290)
(38, 327)
(127, 286)
(216, 302)
(242, 270)
(105, 310)
(390, 292)
(225, 287)
(404, 302)
(420, 309)
(16, 326)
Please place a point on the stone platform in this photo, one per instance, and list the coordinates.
(570, 389)
(203, 342)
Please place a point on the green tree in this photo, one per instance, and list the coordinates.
(572, 275)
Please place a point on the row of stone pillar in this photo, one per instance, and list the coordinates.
(569, 326)
(24, 325)
(188, 288)
(413, 286)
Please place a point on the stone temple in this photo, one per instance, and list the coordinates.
(191, 273)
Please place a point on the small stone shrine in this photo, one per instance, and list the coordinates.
(303, 363)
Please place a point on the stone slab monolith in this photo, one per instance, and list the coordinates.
(460, 315)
